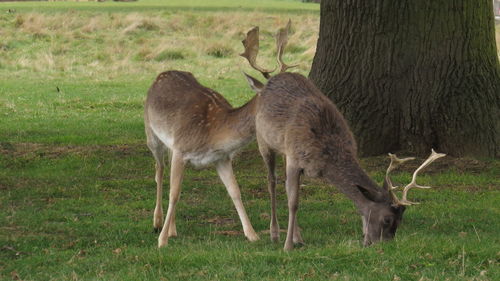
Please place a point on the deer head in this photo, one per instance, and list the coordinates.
(380, 223)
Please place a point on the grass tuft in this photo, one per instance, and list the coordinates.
(295, 48)
(148, 25)
(220, 51)
(143, 54)
(170, 55)
(19, 21)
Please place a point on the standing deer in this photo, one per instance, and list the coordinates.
(294, 118)
(197, 125)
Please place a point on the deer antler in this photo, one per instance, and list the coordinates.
(281, 41)
(396, 162)
(251, 44)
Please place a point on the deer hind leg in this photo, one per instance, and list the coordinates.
(176, 174)
(269, 157)
(158, 212)
(292, 191)
(225, 171)
(158, 149)
(297, 237)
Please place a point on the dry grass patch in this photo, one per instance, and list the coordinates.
(110, 45)
(138, 22)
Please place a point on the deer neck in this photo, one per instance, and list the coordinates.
(353, 181)
(241, 120)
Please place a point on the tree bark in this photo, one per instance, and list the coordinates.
(412, 75)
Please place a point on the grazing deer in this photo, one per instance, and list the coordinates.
(294, 118)
(197, 125)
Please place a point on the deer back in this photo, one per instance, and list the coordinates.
(181, 109)
(305, 124)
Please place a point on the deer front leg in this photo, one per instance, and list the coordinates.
(172, 229)
(269, 157)
(297, 237)
(176, 174)
(225, 171)
(292, 190)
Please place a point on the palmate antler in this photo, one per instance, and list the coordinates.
(281, 41)
(251, 44)
(395, 162)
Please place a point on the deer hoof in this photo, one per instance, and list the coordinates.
(162, 244)
(275, 238)
(253, 237)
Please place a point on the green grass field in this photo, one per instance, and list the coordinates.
(77, 186)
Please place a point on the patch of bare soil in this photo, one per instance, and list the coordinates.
(29, 150)
(229, 232)
(267, 231)
(11, 251)
(221, 221)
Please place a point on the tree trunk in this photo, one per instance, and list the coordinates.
(412, 75)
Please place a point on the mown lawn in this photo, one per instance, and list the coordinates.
(77, 187)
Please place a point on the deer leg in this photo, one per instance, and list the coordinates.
(365, 225)
(297, 237)
(269, 157)
(176, 174)
(172, 229)
(158, 213)
(225, 171)
(292, 191)
(158, 150)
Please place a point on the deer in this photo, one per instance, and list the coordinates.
(295, 119)
(194, 125)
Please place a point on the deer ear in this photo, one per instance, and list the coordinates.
(255, 84)
(370, 195)
(398, 209)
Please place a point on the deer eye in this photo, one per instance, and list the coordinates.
(387, 220)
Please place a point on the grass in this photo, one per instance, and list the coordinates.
(76, 179)
(120, 46)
